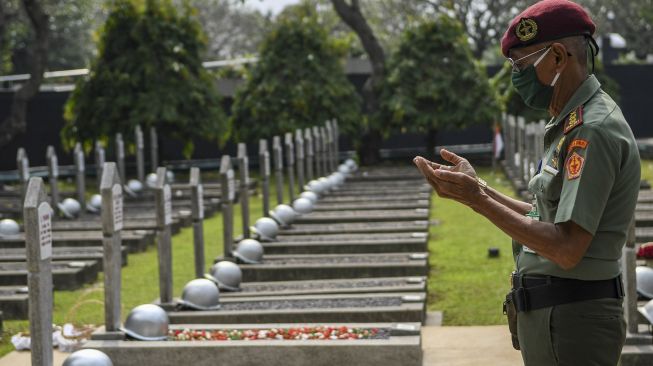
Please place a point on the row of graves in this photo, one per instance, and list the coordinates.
(337, 272)
(523, 151)
(78, 241)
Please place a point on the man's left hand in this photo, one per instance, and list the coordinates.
(450, 184)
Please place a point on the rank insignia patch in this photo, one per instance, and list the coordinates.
(574, 120)
(574, 166)
(579, 143)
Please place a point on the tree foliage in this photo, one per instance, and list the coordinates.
(298, 81)
(434, 83)
(484, 20)
(71, 27)
(148, 72)
(39, 19)
(232, 30)
(631, 19)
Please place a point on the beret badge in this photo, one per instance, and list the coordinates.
(526, 30)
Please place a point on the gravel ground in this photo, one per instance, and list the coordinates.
(324, 285)
(370, 213)
(312, 304)
(23, 266)
(345, 226)
(340, 260)
(344, 237)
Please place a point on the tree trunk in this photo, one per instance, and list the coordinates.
(368, 151)
(15, 122)
(351, 14)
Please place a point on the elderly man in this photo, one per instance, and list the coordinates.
(567, 291)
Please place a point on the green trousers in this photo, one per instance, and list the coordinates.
(586, 333)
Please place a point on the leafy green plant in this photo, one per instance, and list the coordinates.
(148, 72)
(298, 81)
(433, 82)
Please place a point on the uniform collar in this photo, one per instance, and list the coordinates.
(585, 91)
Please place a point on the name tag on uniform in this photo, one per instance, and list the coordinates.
(549, 169)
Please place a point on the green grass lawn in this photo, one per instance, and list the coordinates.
(464, 283)
(647, 170)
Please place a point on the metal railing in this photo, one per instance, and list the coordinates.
(10, 79)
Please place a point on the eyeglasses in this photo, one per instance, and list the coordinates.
(515, 63)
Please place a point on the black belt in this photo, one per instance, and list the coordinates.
(537, 292)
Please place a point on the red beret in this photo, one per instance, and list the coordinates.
(544, 21)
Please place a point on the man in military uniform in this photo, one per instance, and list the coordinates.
(567, 289)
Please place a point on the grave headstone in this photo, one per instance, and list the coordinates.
(37, 216)
(140, 154)
(163, 197)
(227, 183)
(53, 176)
(197, 207)
(22, 163)
(323, 151)
(277, 154)
(112, 224)
(336, 142)
(629, 258)
(308, 138)
(506, 136)
(243, 170)
(290, 165)
(317, 147)
(512, 140)
(100, 158)
(299, 148)
(264, 166)
(154, 148)
(120, 157)
(520, 147)
(329, 145)
(80, 175)
(529, 154)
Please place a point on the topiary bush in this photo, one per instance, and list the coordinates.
(299, 81)
(148, 72)
(433, 82)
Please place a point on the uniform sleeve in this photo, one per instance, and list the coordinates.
(589, 171)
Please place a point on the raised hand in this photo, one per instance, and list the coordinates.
(451, 181)
(460, 164)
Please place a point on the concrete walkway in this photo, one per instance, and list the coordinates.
(450, 346)
(469, 346)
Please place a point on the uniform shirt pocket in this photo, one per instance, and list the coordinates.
(547, 186)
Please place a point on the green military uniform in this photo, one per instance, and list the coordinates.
(590, 175)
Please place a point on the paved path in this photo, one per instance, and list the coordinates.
(446, 346)
(469, 346)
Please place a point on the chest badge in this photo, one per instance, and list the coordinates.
(556, 154)
(574, 166)
(574, 120)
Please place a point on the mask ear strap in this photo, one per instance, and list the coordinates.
(594, 50)
(541, 57)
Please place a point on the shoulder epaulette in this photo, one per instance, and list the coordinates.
(574, 119)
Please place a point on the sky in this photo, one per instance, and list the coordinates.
(275, 6)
